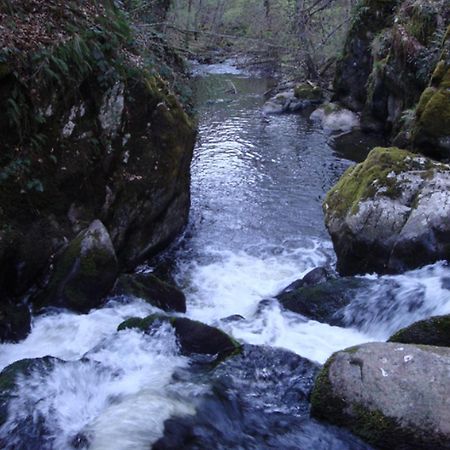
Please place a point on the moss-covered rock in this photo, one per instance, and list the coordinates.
(84, 273)
(390, 213)
(307, 91)
(193, 336)
(151, 289)
(382, 392)
(353, 68)
(432, 331)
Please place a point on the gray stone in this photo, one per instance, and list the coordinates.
(392, 395)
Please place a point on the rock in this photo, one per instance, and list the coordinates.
(432, 331)
(313, 277)
(293, 100)
(8, 380)
(15, 321)
(193, 336)
(392, 395)
(151, 289)
(324, 301)
(431, 130)
(257, 400)
(84, 273)
(335, 118)
(390, 213)
(353, 69)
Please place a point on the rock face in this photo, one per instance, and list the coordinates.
(392, 395)
(390, 53)
(93, 134)
(193, 336)
(390, 213)
(151, 289)
(432, 331)
(353, 69)
(84, 273)
(15, 321)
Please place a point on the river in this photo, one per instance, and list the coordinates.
(256, 225)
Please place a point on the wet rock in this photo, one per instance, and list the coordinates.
(194, 337)
(390, 213)
(313, 277)
(324, 301)
(432, 331)
(15, 321)
(84, 273)
(258, 399)
(293, 100)
(335, 118)
(392, 395)
(151, 289)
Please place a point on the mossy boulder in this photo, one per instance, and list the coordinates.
(151, 289)
(432, 331)
(390, 213)
(308, 91)
(194, 337)
(391, 395)
(15, 321)
(84, 273)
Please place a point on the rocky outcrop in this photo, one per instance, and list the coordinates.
(151, 289)
(432, 331)
(88, 132)
(193, 336)
(390, 53)
(302, 96)
(353, 69)
(392, 395)
(84, 273)
(390, 213)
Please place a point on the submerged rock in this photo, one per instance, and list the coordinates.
(257, 400)
(84, 273)
(432, 331)
(151, 289)
(392, 395)
(193, 336)
(335, 118)
(390, 213)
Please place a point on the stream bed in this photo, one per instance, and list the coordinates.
(256, 225)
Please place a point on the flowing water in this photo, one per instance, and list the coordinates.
(256, 225)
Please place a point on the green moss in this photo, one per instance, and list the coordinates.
(305, 91)
(424, 99)
(364, 180)
(435, 117)
(433, 331)
(142, 324)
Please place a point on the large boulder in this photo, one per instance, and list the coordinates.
(151, 289)
(193, 337)
(301, 97)
(84, 273)
(392, 395)
(390, 213)
(432, 331)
